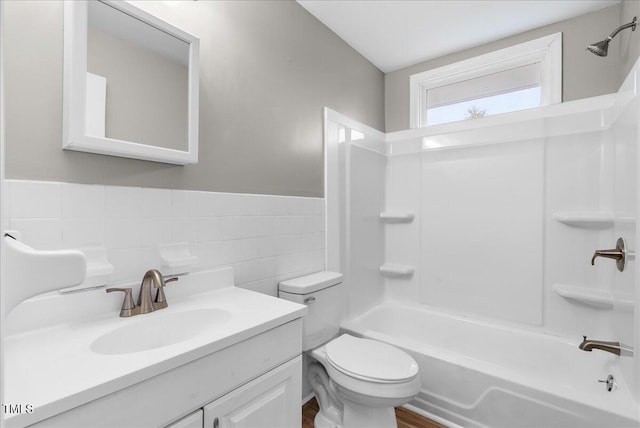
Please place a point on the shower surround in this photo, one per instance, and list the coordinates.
(485, 229)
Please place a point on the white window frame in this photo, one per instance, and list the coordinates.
(545, 50)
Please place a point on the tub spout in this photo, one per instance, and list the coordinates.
(589, 345)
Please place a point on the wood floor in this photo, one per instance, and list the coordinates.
(405, 418)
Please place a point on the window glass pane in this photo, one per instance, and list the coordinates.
(513, 79)
(485, 106)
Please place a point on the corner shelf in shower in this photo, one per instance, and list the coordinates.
(597, 298)
(391, 269)
(397, 216)
(585, 219)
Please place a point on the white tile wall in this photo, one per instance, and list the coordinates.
(265, 238)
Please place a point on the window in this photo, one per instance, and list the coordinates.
(519, 77)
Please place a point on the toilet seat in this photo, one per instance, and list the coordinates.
(369, 372)
(370, 360)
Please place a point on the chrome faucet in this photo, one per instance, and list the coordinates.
(145, 302)
(589, 345)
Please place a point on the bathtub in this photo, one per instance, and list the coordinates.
(479, 374)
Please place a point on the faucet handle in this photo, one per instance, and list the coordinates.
(128, 307)
(619, 254)
(161, 300)
(128, 300)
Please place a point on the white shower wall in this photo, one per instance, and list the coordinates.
(265, 238)
(367, 252)
(625, 134)
(355, 176)
(481, 238)
(499, 232)
(485, 242)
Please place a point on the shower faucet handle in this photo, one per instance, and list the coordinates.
(619, 254)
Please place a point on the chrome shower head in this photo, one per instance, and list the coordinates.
(601, 48)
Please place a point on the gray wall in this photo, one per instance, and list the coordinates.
(147, 92)
(583, 74)
(267, 70)
(628, 41)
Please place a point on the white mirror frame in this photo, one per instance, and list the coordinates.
(75, 83)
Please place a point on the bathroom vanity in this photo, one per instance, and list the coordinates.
(218, 355)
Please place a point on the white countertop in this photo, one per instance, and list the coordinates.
(53, 369)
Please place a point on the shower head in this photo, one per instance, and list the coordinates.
(601, 48)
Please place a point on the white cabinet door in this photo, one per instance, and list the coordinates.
(194, 420)
(270, 401)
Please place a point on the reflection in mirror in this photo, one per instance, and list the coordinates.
(146, 76)
(130, 83)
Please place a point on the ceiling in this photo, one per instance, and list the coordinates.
(394, 34)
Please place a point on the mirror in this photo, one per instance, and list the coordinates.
(130, 84)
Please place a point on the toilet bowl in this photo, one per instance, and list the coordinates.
(357, 381)
(370, 378)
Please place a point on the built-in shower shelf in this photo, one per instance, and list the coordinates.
(589, 296)
(586, 219)
(397, 216)
(598, 298)
(391, 269)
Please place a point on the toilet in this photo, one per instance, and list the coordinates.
(356, 381)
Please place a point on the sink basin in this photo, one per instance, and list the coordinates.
(159, 329)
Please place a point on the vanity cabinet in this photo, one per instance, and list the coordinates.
(253, 383)
(272, 400)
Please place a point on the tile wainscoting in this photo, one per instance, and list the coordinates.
(265, 238)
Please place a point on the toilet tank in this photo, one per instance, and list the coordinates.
(323, 295)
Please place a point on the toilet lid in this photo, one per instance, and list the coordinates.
(370, 359)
